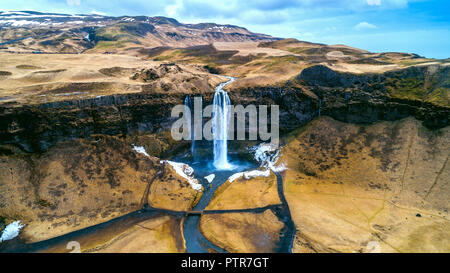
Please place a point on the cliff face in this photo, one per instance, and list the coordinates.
(421, 92)
(36, 128)
(429, 78)
(318, 90)
(353, 98)
(54, 152)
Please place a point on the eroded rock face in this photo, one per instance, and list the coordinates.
(37, 128)
(147, 75)
(350, 98)
(421, 92)
(354, 188)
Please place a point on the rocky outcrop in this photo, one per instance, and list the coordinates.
(421, 92)
(317, 91)
(148, 75)
(296, 106)
(321, 75)
(363, 99)
(36, 128)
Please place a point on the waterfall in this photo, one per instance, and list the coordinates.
(320, 106)
(189, 104)
(220, 126)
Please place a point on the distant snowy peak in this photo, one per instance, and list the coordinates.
(213, 26)
(37, 14)
(75, 33)
(32, 18)
(34, 15)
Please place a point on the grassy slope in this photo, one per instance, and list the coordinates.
(348, 185)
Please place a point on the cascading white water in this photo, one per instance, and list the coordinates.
(221, 117)
(188, 103)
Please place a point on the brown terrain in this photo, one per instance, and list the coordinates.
(246, 194)
(348, 185)
(365, 138)
(154, 234)
(82, 183)
(243, 232)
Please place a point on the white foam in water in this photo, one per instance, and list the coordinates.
(280, 168)
(210, 178)
(250, 174)
(140, 149)
(221, 118)
(267, 155)
(11, 231)
(186, 172)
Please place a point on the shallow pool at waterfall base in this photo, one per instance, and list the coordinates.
(205, 166)
(195, 241)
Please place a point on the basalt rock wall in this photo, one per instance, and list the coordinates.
(316, 91)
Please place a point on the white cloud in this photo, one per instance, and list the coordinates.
(365, 25)
(172, 10)
(73, 2)
(373, 2)
(96, 12)
(390, 4)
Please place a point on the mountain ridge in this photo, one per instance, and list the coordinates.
(24, 31)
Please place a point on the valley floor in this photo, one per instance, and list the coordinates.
(350, 188)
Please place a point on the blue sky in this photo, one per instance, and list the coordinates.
(417, 26)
